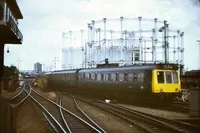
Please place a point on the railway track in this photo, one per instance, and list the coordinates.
(66, 121)
(73, 106)
(19, 98)
(145, 122)
(177, 106)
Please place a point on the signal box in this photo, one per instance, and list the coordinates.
(9, 15)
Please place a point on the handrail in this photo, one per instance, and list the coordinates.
(15, 29)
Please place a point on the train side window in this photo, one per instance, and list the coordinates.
(135, 76)
(113, 77)
(105, 76)
(99, 76)
(160, 77)
(83, 75)
(121, 77)
(117, 77)
(125, 77)
(93, 76)
(86, 76)
(109, 77)
(72, 76)
(168, 77)
(130, 77)
(175, 76)
(90, 76)
(102, 75)
(142, 76)
(80, 77)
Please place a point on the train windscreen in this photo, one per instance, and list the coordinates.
(175, 76)
(160, 77)
(168, 77)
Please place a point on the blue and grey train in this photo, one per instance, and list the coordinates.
(131, 82)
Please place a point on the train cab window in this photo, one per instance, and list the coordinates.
(160, 77)
(168, 77)
(175, 75)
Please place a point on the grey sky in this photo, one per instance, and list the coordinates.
(45, 20)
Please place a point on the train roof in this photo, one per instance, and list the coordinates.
(121, 68)
(129, 68)
(64, 71)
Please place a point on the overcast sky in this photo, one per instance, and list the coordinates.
(45, 21)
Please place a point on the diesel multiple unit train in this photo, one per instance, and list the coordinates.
(128, 82)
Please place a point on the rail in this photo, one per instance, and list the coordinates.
(25, 97)
(177, 125)
(78, 107)
(67, 111)
(61, 112)
(18, 93)
(43, 108)
(17, 99)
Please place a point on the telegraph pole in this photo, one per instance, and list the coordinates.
(55, 60)
(18, 61)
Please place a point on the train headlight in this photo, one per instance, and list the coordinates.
(176, 89)
(141, 87)
(161, 89)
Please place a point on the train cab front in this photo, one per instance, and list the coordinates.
(166, 84)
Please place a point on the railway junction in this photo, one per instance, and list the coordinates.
(43, 104)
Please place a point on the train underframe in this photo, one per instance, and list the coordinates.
(114, 93)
